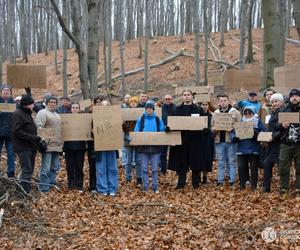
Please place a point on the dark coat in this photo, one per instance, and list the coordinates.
(74, 146)
(167, 109)
(5, 120)
(24, 131)
(191, 154)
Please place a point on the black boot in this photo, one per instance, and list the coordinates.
(11, 174)
(204, 179)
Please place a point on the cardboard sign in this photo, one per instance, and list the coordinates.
(202, 97)
(107, 128)
(215, 78)
(287, 77)
(85, 104)
(195, 89)
(52, 133)
(241, 95)
(288, 117)
(264, 136)
(234, 80)
(155, 138)
(222, 121)
(76, 127)
(187, 122)
(132, 114)
(244, 130)
(7, 107)
(26, 75)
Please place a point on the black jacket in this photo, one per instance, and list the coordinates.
(24, 131)
(5, 120)
(74, 146)
(167, 109)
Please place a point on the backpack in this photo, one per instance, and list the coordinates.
(143, 123)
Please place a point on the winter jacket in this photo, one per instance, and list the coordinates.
(247, 103)
(6, 120)
(24, 131)
(63, 110)
(149, 126)
(74, 146)
(48, 119)
(251, 146)
(236, 116)
(167, 109)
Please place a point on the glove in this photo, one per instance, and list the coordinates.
(235, 140)
(127, 139)
(42, 146)
(255, 135)
(167, 129)
(124, 127)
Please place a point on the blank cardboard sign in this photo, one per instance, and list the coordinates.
(132, 114)
(215, 77)
(264, 136)
(287, 77)
(107, 128)
(26, 75)
(195, 89)
(155, 138)
(288, 117)
(187, 122)
(234, 80)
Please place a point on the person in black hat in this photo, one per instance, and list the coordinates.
(290, 145)
(25, 140)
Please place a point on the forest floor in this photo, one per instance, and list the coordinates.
(206, 218)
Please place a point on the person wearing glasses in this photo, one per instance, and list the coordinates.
(74, 155)
(48, 118)
(168, 108)
(249, 149)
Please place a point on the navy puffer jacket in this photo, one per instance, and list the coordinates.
(6, 120)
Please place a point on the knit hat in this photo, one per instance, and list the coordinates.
(294, 92)
(3, 86)
(150, 104)
(26, 100)
(249, 108)
(51, 98)
(277, 97)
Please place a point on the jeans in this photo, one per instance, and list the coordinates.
(124, 157)
(74, 162)
(244, 161)
(27, 160)
(226, 156)
(49, 168)
(163, 159)
(287, 154)
(132, 155)
(10, 155)
(154, 161)
(106, 172)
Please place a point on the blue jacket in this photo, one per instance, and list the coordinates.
(246, 103)
(6, 120)
(149, 124)
(251, 146)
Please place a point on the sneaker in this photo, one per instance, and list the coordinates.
(297, 197)
(156, 191)
(231, 184)
(139, 181)
(94, 191)
(103, 194)
(179, 187)
(113, 194)
(204, 179)
(80, 191)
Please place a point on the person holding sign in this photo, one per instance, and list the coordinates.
(48, 118)
(189, 155)
(5, 129)
(224, 145)
(290, 144)
(25, 140)
(271, 156)
(149, 122)
(74, 155)
(249, 149)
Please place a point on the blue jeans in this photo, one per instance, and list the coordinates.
(124, 157)
(132, 156)
(154, 161)
(10, 154)
(226, 156)
(49, 168)
(106, 172)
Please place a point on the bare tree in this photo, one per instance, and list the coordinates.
(65, 10)
(121, 21)
(296, 15)
(224, 6)
(147, 35)
(196, 18)
(206, 11)
(249, 57)
(243, 27)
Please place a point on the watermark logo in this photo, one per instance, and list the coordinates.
(269, 234)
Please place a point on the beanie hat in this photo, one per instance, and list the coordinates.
(150, 104)
(3, 86)
(249, 108)
(294, 92)
(51, 98)
(277, 97)
(26, 100)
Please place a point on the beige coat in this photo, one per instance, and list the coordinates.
(47, 119)
(236, 117)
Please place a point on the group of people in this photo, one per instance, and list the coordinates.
(235, 156)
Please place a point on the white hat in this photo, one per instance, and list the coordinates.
(277, 97)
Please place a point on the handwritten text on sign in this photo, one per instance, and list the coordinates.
(244, 130)
(155, 138)
(7, 107)
(48, 133)
(187, 122)
(107, 128)
(222, 121)
(264, 136)
(288, 117)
